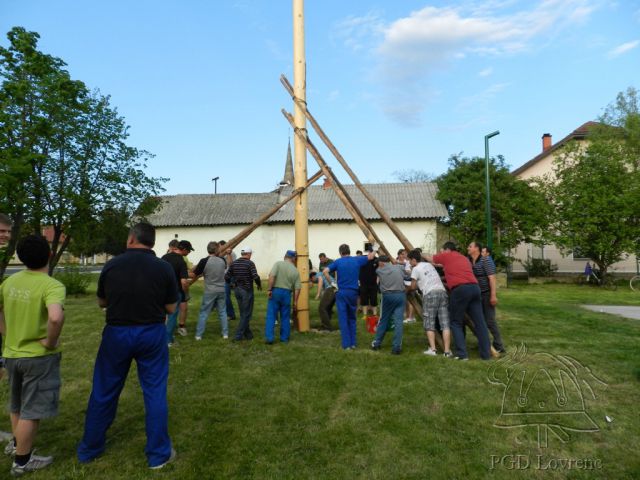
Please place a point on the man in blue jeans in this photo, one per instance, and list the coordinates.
(348, 271)
(175, 258)
(212, 268)
(137, 289)
(393, 302)
(284, 279)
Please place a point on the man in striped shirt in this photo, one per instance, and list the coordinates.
(243, 272)
(485, 272)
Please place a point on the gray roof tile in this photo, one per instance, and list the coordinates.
(400, 201)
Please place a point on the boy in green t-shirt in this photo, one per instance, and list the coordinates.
(31, 319)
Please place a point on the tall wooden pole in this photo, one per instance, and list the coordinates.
(301, 215)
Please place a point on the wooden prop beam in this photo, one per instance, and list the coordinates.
(235, 241)
(377, 207)
(338, 188)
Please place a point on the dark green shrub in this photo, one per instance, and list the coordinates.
(74, 280)
(539, 267)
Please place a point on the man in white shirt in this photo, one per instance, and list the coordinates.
(435, 301)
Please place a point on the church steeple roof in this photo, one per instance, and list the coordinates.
(288, 168)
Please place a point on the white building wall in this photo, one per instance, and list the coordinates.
(566, 263)
(270, 242)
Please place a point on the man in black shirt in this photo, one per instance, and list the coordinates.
(369, 288)
(179, 266)
(243, 272)
(138, 290)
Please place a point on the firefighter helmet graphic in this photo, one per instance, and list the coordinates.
(544, 391)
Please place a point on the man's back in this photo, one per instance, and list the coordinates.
(426, 277)
(287, 275)
(348, 269)
(137, 286)
(212, 268)
(244, 272)
(25, 297)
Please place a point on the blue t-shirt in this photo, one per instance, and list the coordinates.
(348, 269)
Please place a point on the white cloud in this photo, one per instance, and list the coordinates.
(624, 48)
(410, 49)
(356, 32)
(485, 72)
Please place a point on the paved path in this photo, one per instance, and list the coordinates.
(626, 311)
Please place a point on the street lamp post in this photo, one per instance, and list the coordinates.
(487, 208)
(215, 184)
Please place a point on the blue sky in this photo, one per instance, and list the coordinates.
(396, 85)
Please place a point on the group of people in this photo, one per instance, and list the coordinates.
(143, 297)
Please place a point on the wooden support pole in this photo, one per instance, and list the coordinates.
(235, 241)
(376, 205)
(339, 189)
(301, 210)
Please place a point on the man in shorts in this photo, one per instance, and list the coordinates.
(435, 302)
(31, 319)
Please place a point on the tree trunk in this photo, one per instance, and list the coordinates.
(55, 257)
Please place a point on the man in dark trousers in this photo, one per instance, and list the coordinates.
(465, 298)
(243, 272)
(138, 290)
(485, 271)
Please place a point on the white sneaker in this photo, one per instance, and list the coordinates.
(226, 337)
(198, 339)
(10, 448)
(409, 320)
(182, 331)
(36, 462)
(431, 353)
(171, 458)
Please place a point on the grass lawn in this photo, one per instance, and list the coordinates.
(310, 410)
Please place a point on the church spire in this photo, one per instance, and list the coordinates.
(288, 168)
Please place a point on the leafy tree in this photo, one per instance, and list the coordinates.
(413, 176)
(595, 190)
(63, 150)
(518, 212)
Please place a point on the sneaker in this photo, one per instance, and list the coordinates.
(170, 344)
(395, 352)
(225, 337)
(431, 353)
(171, 458)
(182, 331)
(462, 359)
(409, 320)
(448, 355)
(36, 462)
(10, 448)
(198, 339)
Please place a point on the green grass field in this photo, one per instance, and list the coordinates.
(310, 410)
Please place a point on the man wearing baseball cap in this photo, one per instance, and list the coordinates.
(243, 272)
(284, 279)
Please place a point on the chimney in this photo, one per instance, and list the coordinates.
(546, 142)
(327, 184)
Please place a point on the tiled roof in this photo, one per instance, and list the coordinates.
(400, 201)
(578, 134)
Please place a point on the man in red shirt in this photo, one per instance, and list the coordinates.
(465, 298)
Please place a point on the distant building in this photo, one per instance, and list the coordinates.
(539, 166)
(201, 218)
